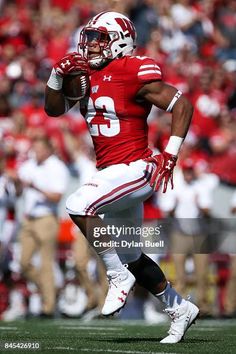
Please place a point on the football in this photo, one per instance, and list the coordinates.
(75, 86)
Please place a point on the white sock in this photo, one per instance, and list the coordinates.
(170, 298)
(112, 261)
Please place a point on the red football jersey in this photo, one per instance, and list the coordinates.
(116, 121)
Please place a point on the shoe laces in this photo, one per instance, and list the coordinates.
(174, 315)
(113, 279)
(113, 283)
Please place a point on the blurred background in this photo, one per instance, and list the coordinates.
(194, 42)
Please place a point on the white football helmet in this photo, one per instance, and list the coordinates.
(107, 36)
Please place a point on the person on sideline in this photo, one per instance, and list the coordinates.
(44, 179)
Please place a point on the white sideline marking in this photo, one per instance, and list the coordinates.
(120, 351)
(8, 328)
(201, 329)
(108, 350)
(90, 327)
(62, 348)
(215, 323)
(108, 335)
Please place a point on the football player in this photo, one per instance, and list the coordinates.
(123, 87)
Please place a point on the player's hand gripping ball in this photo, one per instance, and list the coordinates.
(75, 73)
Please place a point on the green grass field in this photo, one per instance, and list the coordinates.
(114, 336)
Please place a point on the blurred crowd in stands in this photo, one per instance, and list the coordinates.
(195, 44)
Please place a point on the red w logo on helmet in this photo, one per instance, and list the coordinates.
(126, 26)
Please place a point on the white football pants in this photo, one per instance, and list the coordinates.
(118, 192)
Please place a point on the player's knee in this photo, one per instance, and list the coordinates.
(148, 274)
(76, 204)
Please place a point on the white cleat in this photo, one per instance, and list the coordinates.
(181, 319)
(120, 284)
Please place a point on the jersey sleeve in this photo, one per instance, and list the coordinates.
(148, 71)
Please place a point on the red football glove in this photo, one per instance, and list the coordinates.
(163, 170)
(71, 63)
